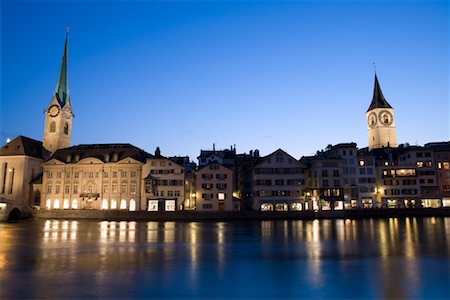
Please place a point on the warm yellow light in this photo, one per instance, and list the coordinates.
(193, 195)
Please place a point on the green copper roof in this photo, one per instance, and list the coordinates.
(62, 86)
(378, 100)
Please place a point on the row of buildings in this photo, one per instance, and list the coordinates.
(54, 175)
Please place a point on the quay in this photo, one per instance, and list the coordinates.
(119, 215)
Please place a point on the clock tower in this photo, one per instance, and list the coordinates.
(380, 121)
(58, 115)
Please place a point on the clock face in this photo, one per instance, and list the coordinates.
(385, 118)
(372, 120)
(67, 112)
(53, 110)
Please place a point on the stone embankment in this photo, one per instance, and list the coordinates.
(118, 215)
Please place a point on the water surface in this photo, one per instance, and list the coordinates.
(373, 258)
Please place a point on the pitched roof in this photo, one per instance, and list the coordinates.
(378, 100)
(22, 145)
(103, 152)
(278, 151)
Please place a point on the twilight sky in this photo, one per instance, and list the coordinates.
(183, 75)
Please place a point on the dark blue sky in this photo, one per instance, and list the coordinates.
(182, 75)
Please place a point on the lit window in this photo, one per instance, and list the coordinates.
(221, 196)
(152, 205)
(361, 163)
(170, 205)
(132, 205)
(266, 207)
(56, 204)
(104, 204)
(123, 204)
(75, 204)
(66, 204)
(113, 204)
(48, 204)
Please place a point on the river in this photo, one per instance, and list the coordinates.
(321, 259)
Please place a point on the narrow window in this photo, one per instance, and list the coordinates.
(11, 181)
(53, 127)
(66, 128)
(5, 169)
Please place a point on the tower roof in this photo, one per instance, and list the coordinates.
(62, 85)
(378, 100)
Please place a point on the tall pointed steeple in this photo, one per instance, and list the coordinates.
(378, 100)
(380, 121)
(62, 85)
(58, 117)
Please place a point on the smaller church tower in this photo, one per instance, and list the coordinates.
(380, 121)
(58, 115)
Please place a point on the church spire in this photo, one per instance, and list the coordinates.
(62, 85)
(378, 100)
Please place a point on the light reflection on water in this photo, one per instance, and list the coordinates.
(374, 258)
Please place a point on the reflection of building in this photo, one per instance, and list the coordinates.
(278, 183)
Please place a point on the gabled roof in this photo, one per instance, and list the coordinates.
(22, 145)
(378, 100)
(103, 152)
(275, 153)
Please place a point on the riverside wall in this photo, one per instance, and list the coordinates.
(118, 215)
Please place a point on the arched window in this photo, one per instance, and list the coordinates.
(48, 204)
(132, 205)
(104, 204)
(74, 204)
(52, 126)
(66, 204)
(123, 204)
(66, 128)
(113, 204)
(56, 204)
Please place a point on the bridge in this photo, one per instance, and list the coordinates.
(13, 210)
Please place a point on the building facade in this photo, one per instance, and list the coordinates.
(103, 176)
(164, 184)
(278, 183)
(214, 188)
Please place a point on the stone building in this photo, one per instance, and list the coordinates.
(20, 163)
(278, 183)
(164, 184)
(214, 188)
(94, 176)
(442, 163)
